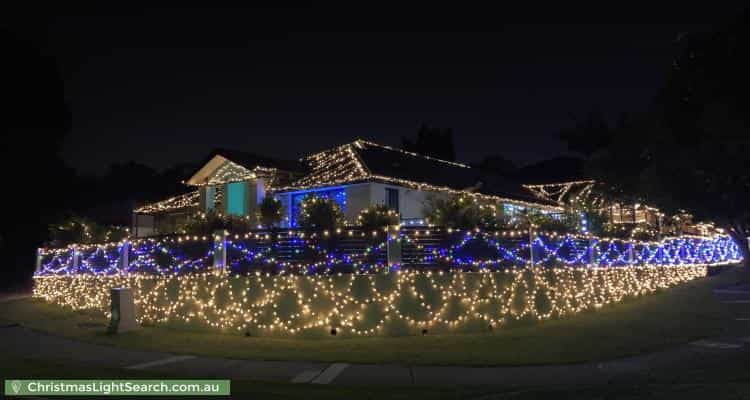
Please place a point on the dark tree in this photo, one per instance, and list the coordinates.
(433, 142)
(588, 134)
(699, 142)
(557, 169)
(691, 149)
(35, 120)
(110, 198)
(496, 164)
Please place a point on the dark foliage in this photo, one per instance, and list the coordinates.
(208, 223)
(269, 211)
(81, 230)
(319, 213)
(35, 121)
(496, 164)
(433, 142)
(690, 149)
(377, 217)
(461, 212)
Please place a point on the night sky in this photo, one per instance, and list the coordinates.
(164, 86)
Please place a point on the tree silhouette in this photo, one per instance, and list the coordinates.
(433, 142)
(35, 120)
(587, 135)
(496, 164)
(690, 149)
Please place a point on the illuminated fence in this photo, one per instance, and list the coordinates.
(355, 251)
(340, 283)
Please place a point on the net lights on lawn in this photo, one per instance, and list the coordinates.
(366, 304)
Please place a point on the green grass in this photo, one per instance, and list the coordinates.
(671, 317)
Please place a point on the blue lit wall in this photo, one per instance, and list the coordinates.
(338, 194)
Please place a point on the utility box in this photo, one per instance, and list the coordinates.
(123, 311)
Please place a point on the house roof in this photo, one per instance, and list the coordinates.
(247, 163)
(179, 202)
(362, 160)
(251, 161)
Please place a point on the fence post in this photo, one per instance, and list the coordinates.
(39, 253)
(531, 245)
(631, 254)
(74, 261)
(393, 245)
(220, 250)
(124, 262)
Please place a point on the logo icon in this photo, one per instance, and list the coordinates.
(16, 386)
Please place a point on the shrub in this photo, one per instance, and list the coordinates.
(565, 223)
(595, 222)
(210, 222)
(320, 213)
(617, 231)
(645, 233)
(461, 212)
(74, 229)
(377, 217)
(269, 211)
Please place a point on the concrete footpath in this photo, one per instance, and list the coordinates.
(23, 342)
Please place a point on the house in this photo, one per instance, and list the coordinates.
(618, 211)
(356, 175)
(628, 214)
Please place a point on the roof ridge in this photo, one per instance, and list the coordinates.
(369, 143)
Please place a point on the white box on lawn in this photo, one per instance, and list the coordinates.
(123, 311)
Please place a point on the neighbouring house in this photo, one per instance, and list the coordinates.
(356, 175)
(618, 211)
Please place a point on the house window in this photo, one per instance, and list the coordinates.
(391, 199)
(210, 198)
(512, 211)
(236, 198)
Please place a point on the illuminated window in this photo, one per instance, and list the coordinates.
(512, 211)
(236, 198)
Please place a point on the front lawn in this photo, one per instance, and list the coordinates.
(671, 317)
